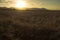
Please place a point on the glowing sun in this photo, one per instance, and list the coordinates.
(20, 4)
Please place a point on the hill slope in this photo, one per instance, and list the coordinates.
(29, 24)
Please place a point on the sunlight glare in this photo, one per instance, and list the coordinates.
(20, 4)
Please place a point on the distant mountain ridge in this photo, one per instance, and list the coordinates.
(4, 8)
(38, 9)
(27, 9)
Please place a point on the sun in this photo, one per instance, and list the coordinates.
(20, 4)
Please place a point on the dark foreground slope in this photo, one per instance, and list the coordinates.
(29, 24)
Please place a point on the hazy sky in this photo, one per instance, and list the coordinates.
(49, 4)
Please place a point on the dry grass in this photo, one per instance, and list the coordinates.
(29, 25)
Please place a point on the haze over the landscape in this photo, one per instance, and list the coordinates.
(29, 19)
(49, 4)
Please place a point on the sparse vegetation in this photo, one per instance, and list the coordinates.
(29, 24)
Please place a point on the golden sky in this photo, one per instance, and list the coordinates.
(49, 4)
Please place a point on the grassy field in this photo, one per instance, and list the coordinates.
(29, 24)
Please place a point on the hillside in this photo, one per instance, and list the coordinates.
(29, 24)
